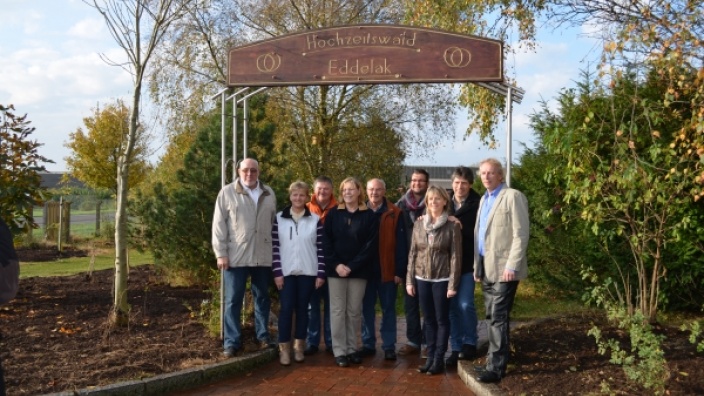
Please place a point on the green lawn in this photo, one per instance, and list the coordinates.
(76, 265)
(530, 303)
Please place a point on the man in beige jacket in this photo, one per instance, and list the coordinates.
(242, 223)
(500, 260)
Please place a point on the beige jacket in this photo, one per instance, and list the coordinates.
(506, 238)
(241, 230)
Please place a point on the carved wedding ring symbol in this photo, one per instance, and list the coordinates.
(269, 62)
(457, 57)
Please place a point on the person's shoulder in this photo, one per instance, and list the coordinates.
(314, 217)
(392, 207)
(512, 192)
(267, 188)
(401, 203)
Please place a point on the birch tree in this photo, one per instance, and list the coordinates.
(138, 27)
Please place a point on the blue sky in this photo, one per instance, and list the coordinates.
(50, 68)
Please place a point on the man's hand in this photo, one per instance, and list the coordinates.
(279, 281)
(508, 275)
(223, 263)
(455, 220)
(397, 280)
(451, 293)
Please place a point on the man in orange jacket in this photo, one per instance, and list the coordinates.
(320, 203)
(389, 267)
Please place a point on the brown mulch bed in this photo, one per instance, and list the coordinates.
(55, 337)
(555, 356)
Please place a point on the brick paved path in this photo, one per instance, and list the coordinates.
(319, 375)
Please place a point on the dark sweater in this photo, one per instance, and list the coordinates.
(348, 238)
(467, 216)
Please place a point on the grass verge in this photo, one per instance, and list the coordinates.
(77, 265)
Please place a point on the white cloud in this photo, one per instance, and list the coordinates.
(88, 29)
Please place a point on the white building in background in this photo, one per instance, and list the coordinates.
(439, 175)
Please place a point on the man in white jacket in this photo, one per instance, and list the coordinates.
(242, 222)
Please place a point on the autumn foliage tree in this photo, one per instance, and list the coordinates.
(20, 164)
(97, 149)
(666, 37)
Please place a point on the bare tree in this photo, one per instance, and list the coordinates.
(138, 27)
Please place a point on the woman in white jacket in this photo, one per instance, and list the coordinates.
(298, 266)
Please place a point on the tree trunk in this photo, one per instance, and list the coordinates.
(120, 313)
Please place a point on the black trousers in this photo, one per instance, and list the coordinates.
(498, 301)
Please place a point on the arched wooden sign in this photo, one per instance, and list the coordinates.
(366, 54)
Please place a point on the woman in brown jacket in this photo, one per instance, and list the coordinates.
(434, 266)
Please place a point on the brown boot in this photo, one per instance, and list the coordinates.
(299, 347)
(285, 353)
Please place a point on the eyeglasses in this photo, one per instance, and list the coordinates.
(249, 170)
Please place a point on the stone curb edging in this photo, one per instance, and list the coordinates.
(180, 380)
(465, 368)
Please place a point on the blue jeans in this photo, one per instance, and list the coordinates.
(463, 314)
(436, 316)
(411, 309)
(235, 284)
(387, 298)
(294, 297)
(321, 294)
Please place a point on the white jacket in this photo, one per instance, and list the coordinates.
(298, 246)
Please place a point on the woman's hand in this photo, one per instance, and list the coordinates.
(319, 282)
(279, 281)
(342, 270)
(411, 290)
(451, 293)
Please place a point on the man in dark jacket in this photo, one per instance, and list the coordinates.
(412, 204)
(389, 264)
(463, 315)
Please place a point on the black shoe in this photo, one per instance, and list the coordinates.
(329, 350)
(426, 367)
(229, 352)
(452, 359)
(342, 361)
(489, 377)
(437, 367)
(389, 354)
(310, 350)
(479, 369)
(354, 358)
(366, 352)
(469, 352)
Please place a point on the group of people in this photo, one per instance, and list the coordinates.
(349, 252)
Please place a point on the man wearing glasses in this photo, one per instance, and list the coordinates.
(242, 224)
(412, 205)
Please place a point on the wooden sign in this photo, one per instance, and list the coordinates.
(366, 54)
